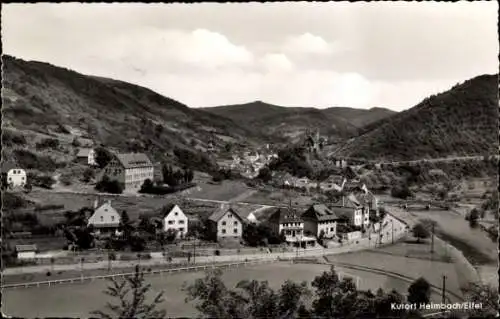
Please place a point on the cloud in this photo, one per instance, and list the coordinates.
(277, 62)
(309, 44)
(352, 54)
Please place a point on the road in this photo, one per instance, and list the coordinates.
(412, 162)
(389, 236)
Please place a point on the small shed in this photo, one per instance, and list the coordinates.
(26, 251)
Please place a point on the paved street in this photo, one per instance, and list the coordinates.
(393, 230)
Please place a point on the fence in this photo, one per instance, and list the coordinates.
(152, 272)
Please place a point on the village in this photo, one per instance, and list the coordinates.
(347, 215)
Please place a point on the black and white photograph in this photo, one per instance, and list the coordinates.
(250, 160)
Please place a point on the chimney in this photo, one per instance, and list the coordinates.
(108, 202)
(343, 200)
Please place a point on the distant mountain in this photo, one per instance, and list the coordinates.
(41, 100)
(289, 122)
(359, 117)
(460, 121)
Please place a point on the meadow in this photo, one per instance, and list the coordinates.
(79, 299)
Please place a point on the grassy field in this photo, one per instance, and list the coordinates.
(227, 190)
(79, 299)
(279, 197)
(453, 228)
(390, 260)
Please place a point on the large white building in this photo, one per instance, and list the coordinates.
(175, 219)
(131, 170)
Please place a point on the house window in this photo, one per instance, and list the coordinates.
(170, 222)
(235, 230)
(176, 214)
(181, 222)
(102, 218)
(235, 223)
(223, 223)
(223, 231)
(181, 229)
(112, 218)
(331, 228)
(229, 215)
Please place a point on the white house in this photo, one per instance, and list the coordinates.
(16, 177)
(175, 219)
(86, 156)
(105, 218)
(26, 251)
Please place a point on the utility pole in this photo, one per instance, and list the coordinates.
(443, 293)
(194, 251)
(392, 230)
(432, 240)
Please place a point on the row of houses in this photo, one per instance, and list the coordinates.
(249, 163)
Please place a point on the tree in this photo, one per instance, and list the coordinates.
(403, 192)
(131, 293)
(419, 291)
(265, 174)
(88, 175)
(147, 186)
(485, 295)
(473, 217)
(102, 157)
(214, 299)
(420, 232)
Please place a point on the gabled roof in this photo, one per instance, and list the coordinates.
(131, 160)
(167, 209)
(321, 212)
(285, 215)
(221, 211)
(83, 152)
(21, 248)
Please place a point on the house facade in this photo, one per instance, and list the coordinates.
(226, 223)
(26, 251)
(175, 219)
(288, 222)
(320, 220)
(86, 156)
(352, 210)
(105, 218)
(131, 170)
(16, 177)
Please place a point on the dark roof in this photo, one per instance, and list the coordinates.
(285, 215)
(321, 212)
(21, 248)
(343, 212)
(167, 209)
(221, 211)
(131, 160)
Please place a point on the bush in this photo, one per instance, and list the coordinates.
(401, 192)
(65, 179)
(48, 273)
(109, 186)
(28, 160)
(51, 143)
(88, 175)
(44, 181)
(9, 138)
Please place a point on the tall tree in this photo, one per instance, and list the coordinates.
(102, 156)
(131, 293)
(419, 291)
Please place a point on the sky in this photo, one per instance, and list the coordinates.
(312, 54)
